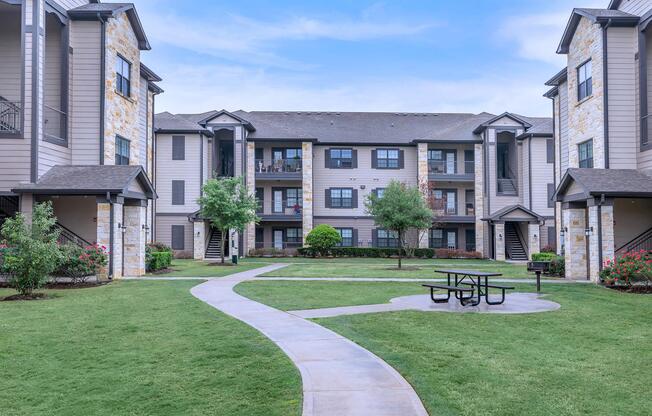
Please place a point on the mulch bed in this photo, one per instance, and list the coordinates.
(19, 297)
(642, 290)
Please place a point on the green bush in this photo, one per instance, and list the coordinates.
(159, 260)
(632, 267)
(543, 256)
(375, 252)
(558, 267)
(322, 239)
(81, 263)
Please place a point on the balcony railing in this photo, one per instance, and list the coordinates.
(54, 123)
(442, 167)
(278, 166)
(284, 207)
(10, 116)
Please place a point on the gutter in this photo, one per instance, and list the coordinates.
(102, 85)
(605, 95)
(111, 234)
(600, 254)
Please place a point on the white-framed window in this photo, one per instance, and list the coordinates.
(386, 238)
(341, 198)
(347, 237)
(387, 158)
(585, 154)
(341, 158)
(123, 76)
(584, 80)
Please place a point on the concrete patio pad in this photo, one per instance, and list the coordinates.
(339, 377)
(515, 303)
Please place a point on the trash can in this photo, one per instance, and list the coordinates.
(234, 259)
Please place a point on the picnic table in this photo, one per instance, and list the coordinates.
(469, 286)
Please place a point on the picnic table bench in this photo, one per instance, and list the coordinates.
(466, 281)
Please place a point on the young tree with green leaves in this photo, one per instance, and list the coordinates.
(323, 238)
(33, 252)
(401, 208)
(227, 205)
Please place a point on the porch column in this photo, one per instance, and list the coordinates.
(575, 256)
(107, 234)
(422, 179)
(26, 206)
(250, 231)
(608, 242)
(534, 239)
(134, 239)
(199, 240)
(499, 238)
(603, 229)
(480, 226)
(306, 169)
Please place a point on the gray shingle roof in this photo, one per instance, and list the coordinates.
(498, 215)
(167, 122)
(541, 128)
(92, 180)
(596, 13)
(610, 182)
(93, 11)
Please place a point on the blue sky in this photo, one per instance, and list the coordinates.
(362, 55)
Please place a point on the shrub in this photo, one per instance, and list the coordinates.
(81, 263)
(158, 256)
(544, 256)
(273, 252)
(557, 266)
(632, 267)
(156, 246)
(322, 239)
(375, 252)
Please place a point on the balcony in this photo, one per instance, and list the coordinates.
(279, 169)
(442, 170)
(10, 117)
(282, 211)
(54, 124)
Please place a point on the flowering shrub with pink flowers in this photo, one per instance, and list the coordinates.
(81, 263)
(632, 267)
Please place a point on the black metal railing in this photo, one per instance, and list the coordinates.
(285, 207)
(279, 165)
(444, 167)
(642, 242)
(66, 236)
(10, 116)
(54, 123)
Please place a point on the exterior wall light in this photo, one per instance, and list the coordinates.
(588, 232)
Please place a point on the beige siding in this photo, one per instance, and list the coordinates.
(142, 123)
(364, 227)
(78, 214)
(563, 128)
(623, 143)
(164, 225)
(644, 158)
(631, 218)
(86, 80)
(637, 7)
(168, 170)
(268, 197)
(542, 175)
(524, 150)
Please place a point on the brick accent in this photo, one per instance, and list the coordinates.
(134, 241)
(499, 237)
(307, 183)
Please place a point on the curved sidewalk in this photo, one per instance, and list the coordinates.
(340, 378)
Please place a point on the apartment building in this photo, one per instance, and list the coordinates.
(76, 122)
(602, 136)
(489, 178)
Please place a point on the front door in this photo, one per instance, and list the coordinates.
(278, 201)
(278, 239)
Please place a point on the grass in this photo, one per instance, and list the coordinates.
(195, 268)
(137, 348)
(590, 357)
(386, 268)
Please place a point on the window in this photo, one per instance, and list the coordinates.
(178, 147)
(341, 158)
(293, 236)
(260, 199)
(122, 151)
(341, 198)
(585, 151)
(294, 197)
(178, 192)
(347, 237)
(444, 201)
(178, 232)
(123, 76)
(442, 238)
(387, 159)
(551, 193)
(470, 240)
(442, 162)
(386, 238)
(380, 192)
(584, 81)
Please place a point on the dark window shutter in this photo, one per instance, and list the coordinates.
(178, 192)
(374, 159)
(327, 159)
(328, 198)
(355, 237)
(552, 237)
(551, 192)
(374, 237)
(401, 159)
(178, 237)
(355, 198)
(354, 162)
(178, 147)
(550, 151)
(259, 154)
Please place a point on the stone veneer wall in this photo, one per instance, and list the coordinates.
(307, 210)
(480, 226)
(422, 181)
(199, 240)
(104, 234)
(121, 113)
(250, 237)
(499, 237)
(134, 240)
(534, 237)
(586, 118)
(575, 255)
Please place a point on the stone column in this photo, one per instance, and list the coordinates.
(26, 207)
(250, 231)
(534, 239)
(499, 238)
(576, 255)
(480, 226)
(104, 235)
(593, 255)
(608, 244)
(135, 238)
(422, 180)
(199, 240)
(306, 169)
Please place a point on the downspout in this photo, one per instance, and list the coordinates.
(529, 168)
(599, 231)
(36, 86)
(111, 234)
(153, 233)
(102, 84)
(605, 86)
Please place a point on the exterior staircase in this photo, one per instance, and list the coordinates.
(642, 242)
(214, 246)
(513, 244)
(8, 207)
(507, 186)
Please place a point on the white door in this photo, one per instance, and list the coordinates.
(450, 163)
(278, 201)
(278, 239)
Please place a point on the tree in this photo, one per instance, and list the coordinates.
(33, 252)
(323, 238)
(227, 205)
(400, 209)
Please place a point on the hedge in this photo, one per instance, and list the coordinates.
(557, 263)
(375, 252)
(543, 256)
(158, 260)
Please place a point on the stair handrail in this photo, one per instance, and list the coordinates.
(70, 236)
(637, 241)
(522, 239)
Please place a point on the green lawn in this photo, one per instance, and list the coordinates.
(195, 268)
(138, 348)
(386, 268)
(590, 357)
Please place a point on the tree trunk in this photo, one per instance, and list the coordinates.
(400, 248)
(222, 245)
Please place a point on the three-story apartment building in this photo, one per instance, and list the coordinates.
(603, 140)
(76, 122)
(482, 174)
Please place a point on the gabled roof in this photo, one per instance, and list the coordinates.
(607, 182)
(558, 79)
(602, 16)
(542, 129)
(95, 11)
(148, 74)
(504, 214)
(511, 116)
(169, 123)
(214, 114)
(89, 180)
(614, 4)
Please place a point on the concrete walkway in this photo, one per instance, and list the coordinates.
(340, 378)
(414, 280)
